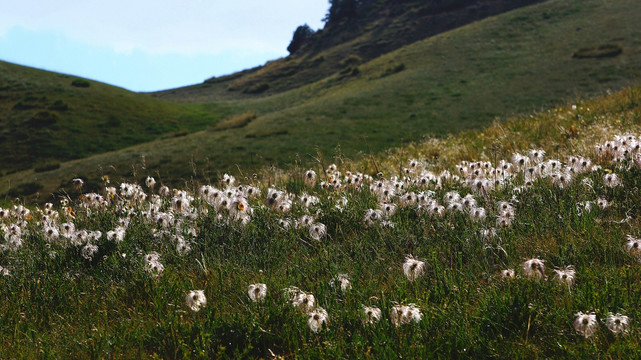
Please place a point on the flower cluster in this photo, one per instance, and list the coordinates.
(586, 324)
(405, 314)
(468, 194)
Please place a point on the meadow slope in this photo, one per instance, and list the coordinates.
(530, 250)
(47, 118)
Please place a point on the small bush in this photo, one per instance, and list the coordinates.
(81, 83)
(301, 35)
(602, 51)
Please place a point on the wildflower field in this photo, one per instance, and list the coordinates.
(518, 241)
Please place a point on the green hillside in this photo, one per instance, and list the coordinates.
(524, 60)
(356, 31)
(47, 118)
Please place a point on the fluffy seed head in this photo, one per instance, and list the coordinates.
(618, 324)
(196, 299)
(413, 268)
(585, 324)
(257, 292)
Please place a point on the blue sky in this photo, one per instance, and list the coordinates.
(145, 45)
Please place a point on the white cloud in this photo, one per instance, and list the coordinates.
(168, 26)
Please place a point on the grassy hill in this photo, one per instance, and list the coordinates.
(72, 292)
(47, 118)
(528, 59)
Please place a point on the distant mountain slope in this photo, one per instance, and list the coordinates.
(47, 117)
(376, 27)
(524, 60)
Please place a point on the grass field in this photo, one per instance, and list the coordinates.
(518, 62)
(71, 292)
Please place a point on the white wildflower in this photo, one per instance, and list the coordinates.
(585, 324)
(508, 274)
(317, 231)
(196, 299)
(404, 314)
(371, 315)
(534, 268)
(341, 280)
(88, 251)
(618, 324)
(317, 320)
(257, 292)
(565, 276)
(413, 268)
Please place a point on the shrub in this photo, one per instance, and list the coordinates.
(301, 35)
(81, 83)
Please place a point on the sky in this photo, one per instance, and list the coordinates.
(147, 45)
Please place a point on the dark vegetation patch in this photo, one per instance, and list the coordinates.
(81, 83)
(43, 119)
(29, 102)
(59, 105)
(266, 134)
(393, 70)
(24, 189)
(601, 51)
(256, 88)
